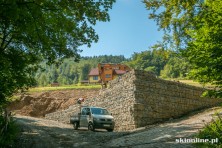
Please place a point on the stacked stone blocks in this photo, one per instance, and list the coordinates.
(139, 98)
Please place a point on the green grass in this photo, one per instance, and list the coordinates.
(64, 87)
(14, 98)
(68, 87)
(191, 82)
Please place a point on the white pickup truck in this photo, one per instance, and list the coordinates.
(92, 118)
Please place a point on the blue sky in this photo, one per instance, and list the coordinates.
(128, 31)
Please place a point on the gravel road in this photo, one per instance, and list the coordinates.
(42, 133)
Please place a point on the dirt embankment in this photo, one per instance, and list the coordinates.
(39, 104)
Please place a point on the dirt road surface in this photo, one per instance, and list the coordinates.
(41, 133)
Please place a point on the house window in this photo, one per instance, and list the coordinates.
(95, 77)
(108, 75)
(107, 69)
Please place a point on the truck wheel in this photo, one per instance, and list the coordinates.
(91, 127)
(109, 130)
(75, 125)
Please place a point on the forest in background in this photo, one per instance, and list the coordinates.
(164, 63)
(70, 72)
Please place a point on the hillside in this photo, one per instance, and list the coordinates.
(40, 103)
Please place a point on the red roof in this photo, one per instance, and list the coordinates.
(120, 72)
(94, 72)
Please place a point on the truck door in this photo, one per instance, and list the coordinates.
(84, 118)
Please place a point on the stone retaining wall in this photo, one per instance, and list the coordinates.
(159, 100)
(119, 99)
(138, 98)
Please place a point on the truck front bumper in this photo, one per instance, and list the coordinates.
(103, 124)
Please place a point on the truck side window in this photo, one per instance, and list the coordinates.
(87, 111)
(84, 111)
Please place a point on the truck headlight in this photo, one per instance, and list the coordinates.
(96, 119)
(109, 119)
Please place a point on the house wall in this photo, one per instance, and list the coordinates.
(138, 98)
(93, 81)
(107, 71)
(115, 76)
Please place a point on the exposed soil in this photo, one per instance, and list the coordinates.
(39, 104)
(39, 133)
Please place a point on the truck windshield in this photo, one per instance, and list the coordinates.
(99, 111)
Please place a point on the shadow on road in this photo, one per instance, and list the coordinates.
(38, 133)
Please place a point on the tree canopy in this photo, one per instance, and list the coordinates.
(175, 17)
(195, 26)
(152, 60)
(31, 31)
(205, 50)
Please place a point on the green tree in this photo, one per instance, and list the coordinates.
(84, 71)
(43, 80)
(61, 79)
(31, 31)
(151, 69)
(176, 67)
(153, 59)
(175, 17)
(54, 75)
(196, 29)
(205, 50)
(141, 60)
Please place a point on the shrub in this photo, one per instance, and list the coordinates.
(8, 130)
(211, 131)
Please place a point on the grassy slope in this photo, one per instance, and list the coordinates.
(65, 87)
(191, 82)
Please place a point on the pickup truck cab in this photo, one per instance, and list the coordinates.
(92, 118)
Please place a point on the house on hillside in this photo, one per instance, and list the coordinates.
(107, 72)
(93, 76)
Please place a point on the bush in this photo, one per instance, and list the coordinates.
(211, 131)
(8, 130)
